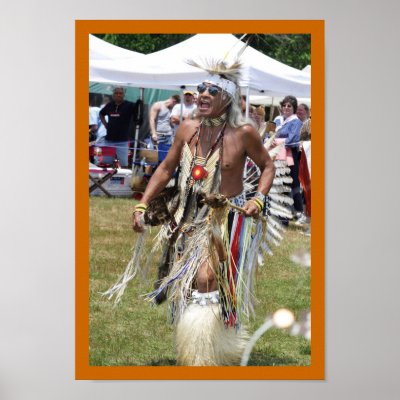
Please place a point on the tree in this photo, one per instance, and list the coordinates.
(293, 50)
(144, 43)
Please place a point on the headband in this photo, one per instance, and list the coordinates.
(225, 84)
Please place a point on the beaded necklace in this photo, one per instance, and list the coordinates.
(217, 121)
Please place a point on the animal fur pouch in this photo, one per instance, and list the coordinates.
(162, 209)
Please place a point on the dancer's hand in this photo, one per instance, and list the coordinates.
(138, 221)
(251, 209)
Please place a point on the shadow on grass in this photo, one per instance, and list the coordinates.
(260, 359)
(163, 362)
(257, 360)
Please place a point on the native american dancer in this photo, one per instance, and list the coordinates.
(212, 234)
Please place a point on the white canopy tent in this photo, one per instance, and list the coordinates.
(307, 69)
(102, 50)
(167, 69)
(275, 101)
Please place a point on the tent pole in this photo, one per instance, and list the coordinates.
(247, 101)
(181, 115)
(271, 110)
(136, 142)
(247, 116)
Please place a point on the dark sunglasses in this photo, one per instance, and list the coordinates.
(212, 89)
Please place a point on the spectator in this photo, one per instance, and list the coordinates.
(119, 112)
(94, 122)
(160, 120)
(303, 112)
(186, 108)
(102, 131)
(278, 120)
(259, 118)
(290, 132)
(160, 124)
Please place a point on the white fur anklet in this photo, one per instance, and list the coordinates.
(205, 298)
(202, 339)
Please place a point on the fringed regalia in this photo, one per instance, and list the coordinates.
(199, 231)
(211, 233)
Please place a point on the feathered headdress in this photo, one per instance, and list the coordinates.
(220, 74)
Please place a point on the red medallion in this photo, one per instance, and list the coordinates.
(199, 173)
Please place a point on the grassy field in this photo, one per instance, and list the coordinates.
(136, 333)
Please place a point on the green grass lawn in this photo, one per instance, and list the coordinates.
(136, 332)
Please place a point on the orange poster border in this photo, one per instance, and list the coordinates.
(83, 371)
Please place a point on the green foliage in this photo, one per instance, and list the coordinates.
(137, 333)
(293, 50)
(144, 43)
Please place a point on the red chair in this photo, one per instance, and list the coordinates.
(103, 157)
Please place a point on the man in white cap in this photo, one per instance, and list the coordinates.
(186, 108)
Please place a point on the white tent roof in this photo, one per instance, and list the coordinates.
(307, 69)
(167, 69)
(143, 74)
(102, 50)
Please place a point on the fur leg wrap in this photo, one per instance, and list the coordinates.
(202, 339)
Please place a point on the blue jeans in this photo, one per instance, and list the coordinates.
(164, 144)
(294, 173)
(164, 139)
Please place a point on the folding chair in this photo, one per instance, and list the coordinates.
(104, 157)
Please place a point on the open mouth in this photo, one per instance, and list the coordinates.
(204, 105)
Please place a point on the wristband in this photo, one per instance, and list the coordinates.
(141, 207)
(258, 203)
(260, 196)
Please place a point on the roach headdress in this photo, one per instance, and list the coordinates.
(220, 74)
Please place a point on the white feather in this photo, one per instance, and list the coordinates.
(274, 232)
(282, 180)
(279, 189)
(271, 239)
(279, 198)
(279, 210)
